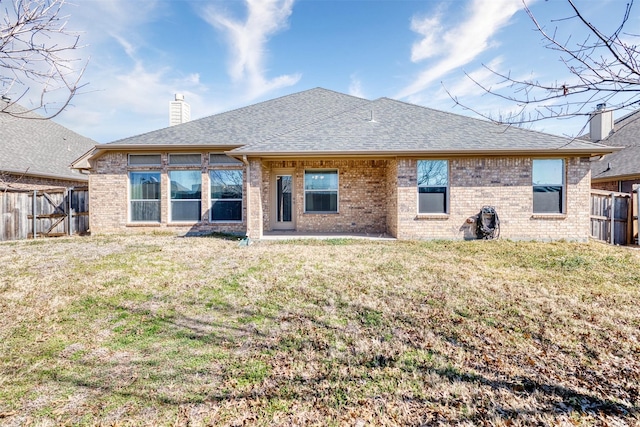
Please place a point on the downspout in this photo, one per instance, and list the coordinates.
(246, 162)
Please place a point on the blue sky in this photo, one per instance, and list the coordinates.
(227, 54)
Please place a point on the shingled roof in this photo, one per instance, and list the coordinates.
(35, 146)
(324, 122)
(387, 126)
(626, 162)
(256, 122)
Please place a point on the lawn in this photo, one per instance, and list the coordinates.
(163, 330)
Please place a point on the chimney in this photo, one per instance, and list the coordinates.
(600, 123)
(179, 111)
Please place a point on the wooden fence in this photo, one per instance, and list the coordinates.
(612, 217)
(44, 213)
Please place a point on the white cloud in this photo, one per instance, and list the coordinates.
(456, 46)
(248, 40)
(355, 87)
(429, 28)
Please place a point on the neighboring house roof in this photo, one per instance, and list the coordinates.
(34, 146)
(320, 121)
(626, 162)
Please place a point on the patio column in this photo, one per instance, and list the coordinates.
(254, 199)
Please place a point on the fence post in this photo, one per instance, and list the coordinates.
(612, 214)
(34, 211)
(638, 215)
(69, 210)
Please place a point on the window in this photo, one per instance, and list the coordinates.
(321, 191)
(548, 185)
(144, 195)
(185, 195)
(144, 159)
(226, 195)
(185, 159)
(433, 184)
(223, 159)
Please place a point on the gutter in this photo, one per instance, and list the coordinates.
(590, 152)
(99, 149)
(36, 174)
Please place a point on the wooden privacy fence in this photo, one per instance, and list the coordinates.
(612, 218)
(44, 213)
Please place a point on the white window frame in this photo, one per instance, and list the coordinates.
(446, 187)
(131, 200)
(212, 200)
(171, 199)
(305, 191)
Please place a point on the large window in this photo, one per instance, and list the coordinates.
(226, 195)
(144, 196)
(433, 186)
(548, 185)
(321, 191)
(185, 195)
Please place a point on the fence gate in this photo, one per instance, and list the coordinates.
(611, 217)
(59, 212)
(44, 213)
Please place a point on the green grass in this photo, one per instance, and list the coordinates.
(160, 330)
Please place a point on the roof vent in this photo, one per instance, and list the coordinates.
(179, 111)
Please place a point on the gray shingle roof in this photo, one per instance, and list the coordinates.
(401, 127)
(627, 161)
(39, 146)
(253, 123)
(320, 121)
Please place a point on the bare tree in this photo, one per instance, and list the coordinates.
(602, 69)
(36, 57)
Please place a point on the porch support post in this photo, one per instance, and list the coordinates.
(254, 199)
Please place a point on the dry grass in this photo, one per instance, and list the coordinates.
(159, 330)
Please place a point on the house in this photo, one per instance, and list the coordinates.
(319, 161)
(36, 153)
(620, 170)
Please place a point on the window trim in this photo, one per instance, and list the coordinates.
(171, 199)
(212, 200)
(447, 193)
(563, 189)
(305, 191)
(130, 220)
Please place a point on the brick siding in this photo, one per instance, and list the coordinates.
(606, 186)
(108, 195)
(504, 183)
(362, 191)
(375, 197)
